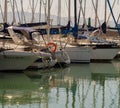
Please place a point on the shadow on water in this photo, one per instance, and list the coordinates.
(94, 85)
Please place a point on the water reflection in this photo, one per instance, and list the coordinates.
(95, 85)
(15, 89)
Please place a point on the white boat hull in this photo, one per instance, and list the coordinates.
(78, 54)
(13, 60)
(103, 54)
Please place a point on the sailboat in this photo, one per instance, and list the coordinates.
(100, 49)
(77, 53)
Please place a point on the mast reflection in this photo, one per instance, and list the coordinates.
(92, 85)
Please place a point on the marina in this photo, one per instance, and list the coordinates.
(59, 54)
(81, 44)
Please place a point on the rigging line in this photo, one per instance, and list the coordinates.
(10, 3)
(40, 10)
(85, 95)
(24, 16)
(32, 9)
(35, 6)
(115, 95)
(79, 14)
(96, 12)
(81, 8)
(12, 7)
(66, 3)
(1, 11)
(113, 17)
(51, 4)
(23, 11)
(17, 11)
(84, 17)
(30, 4)
(110, 12)
(44, 3)
(97, 92)
(118, 18)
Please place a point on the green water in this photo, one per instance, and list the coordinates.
(94, 85)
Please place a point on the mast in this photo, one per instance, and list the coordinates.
(45, 9)
(59, 12)
(40, 11)
(48, 12)
(32, 20)
(13, 9)
(48, 19)
(5, 12)
(69, 3)
(75, 28)
(75, 12)
(105, 10)
(96, 13)
(21, 11)
(84, 11)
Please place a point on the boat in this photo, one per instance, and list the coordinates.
(78, 54)
(16, 60)
(36, 41)
(88, 50)
(101, 48)
(89, 47)
(106, 51)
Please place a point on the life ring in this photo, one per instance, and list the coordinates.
(51, 46)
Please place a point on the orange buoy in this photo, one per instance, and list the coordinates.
(52, 46)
